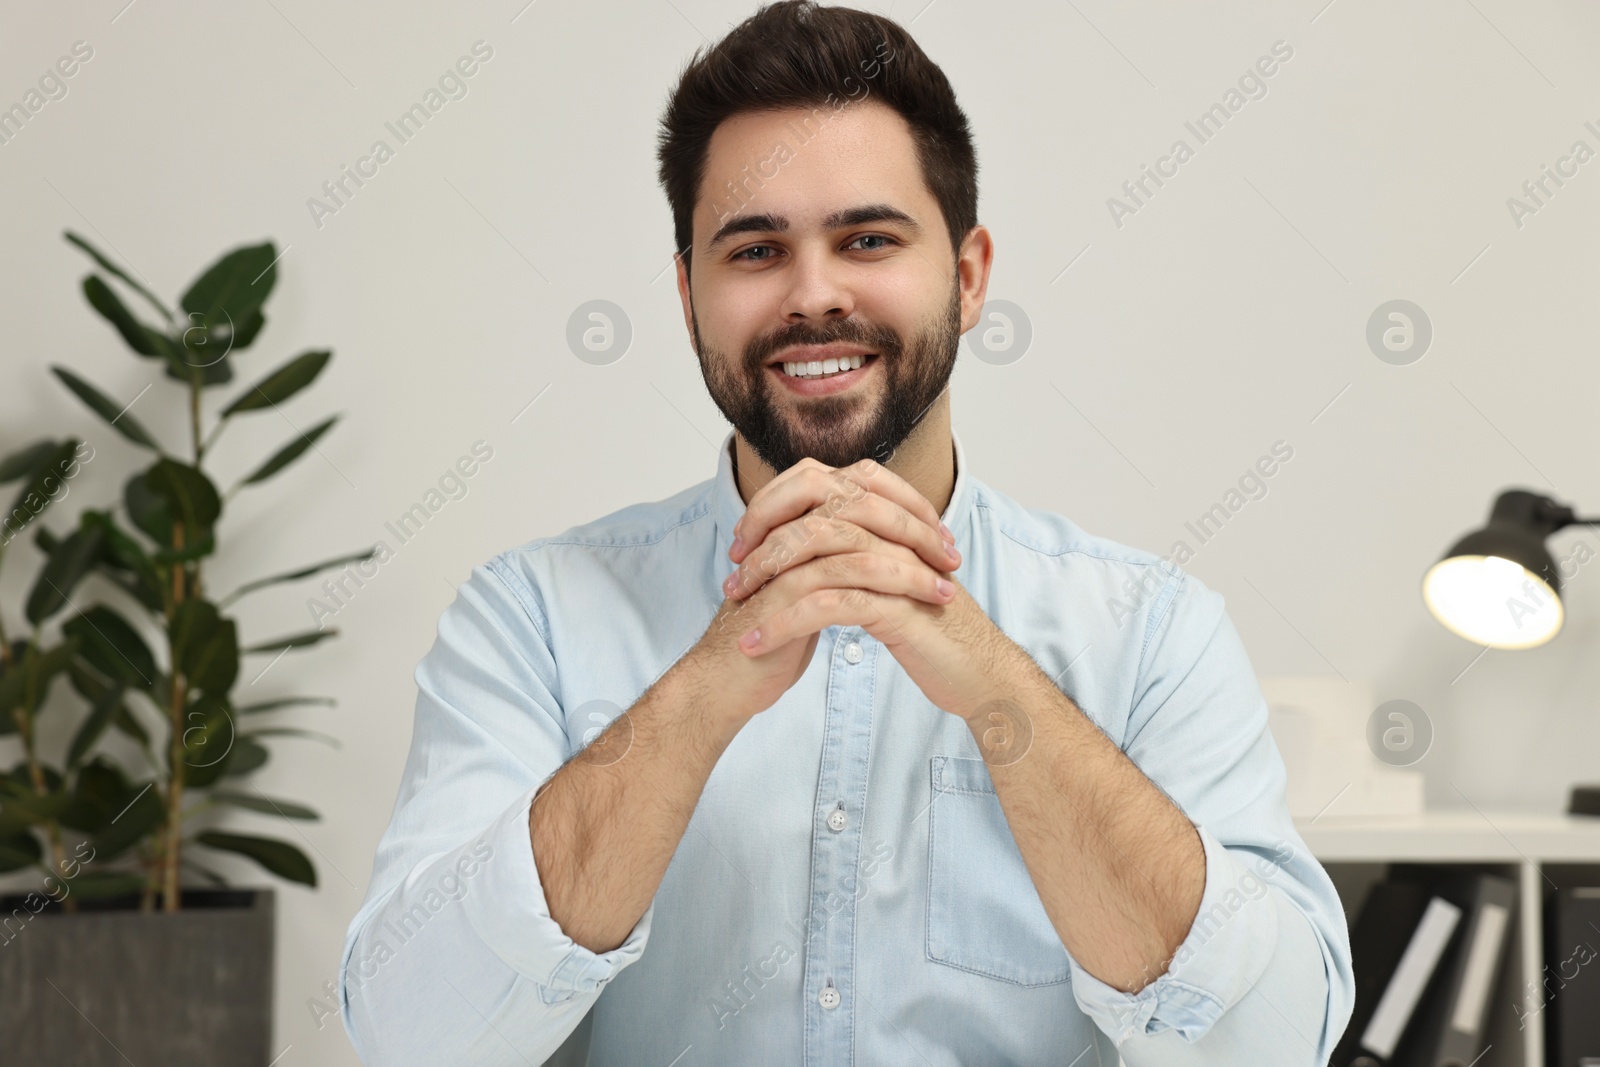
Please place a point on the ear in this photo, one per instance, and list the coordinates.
(972, 271)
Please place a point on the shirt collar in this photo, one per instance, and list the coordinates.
(729, 505)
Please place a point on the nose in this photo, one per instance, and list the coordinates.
(818, 288)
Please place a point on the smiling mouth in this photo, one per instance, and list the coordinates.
(820, 370)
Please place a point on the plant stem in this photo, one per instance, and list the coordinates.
(170, 854)
(24, 718)
(5, 642)
(194, 415)
(172, 845)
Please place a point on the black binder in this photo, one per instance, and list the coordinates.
(1571, 978)
(1449, 1030)
(1382, 930)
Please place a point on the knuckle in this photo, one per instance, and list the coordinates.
(903, 523)
(852, 535)
(837, 599)
(839, 486)
(838, 568)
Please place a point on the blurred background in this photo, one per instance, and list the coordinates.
(1170, 336)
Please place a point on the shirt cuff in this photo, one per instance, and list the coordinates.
(1228, 946)
(509, 912)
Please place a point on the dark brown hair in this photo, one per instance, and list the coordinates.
(797, 54)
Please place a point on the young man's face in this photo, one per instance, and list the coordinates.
(884, 286)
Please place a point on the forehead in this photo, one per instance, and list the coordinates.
(803, 164)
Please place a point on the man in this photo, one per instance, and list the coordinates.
(908, 787)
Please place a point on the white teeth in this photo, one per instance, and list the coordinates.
(823, 368)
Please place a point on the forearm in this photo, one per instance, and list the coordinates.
(1119, 869)
(605, 826)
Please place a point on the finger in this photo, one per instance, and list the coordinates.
(881, 521)
(810, 484)
(876, 572)
(818, 610)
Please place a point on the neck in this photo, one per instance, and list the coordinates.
(926, 460)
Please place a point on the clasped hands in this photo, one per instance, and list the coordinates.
(820, 546)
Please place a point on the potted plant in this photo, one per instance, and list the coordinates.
(126, 932)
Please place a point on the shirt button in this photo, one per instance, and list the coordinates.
(838, 820)
(852, 652)
(829, 997)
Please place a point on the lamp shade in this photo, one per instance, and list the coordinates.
(1499, 586)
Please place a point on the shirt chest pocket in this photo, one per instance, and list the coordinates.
(984, 914)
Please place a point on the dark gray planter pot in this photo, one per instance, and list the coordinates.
(114, 986)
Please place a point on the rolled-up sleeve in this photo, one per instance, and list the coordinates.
(453, 957)
(1264, 973)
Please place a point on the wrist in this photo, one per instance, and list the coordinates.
(702, 704)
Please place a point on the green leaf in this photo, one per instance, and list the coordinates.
(204, 346)
(26, 460)
(245, 334)
(200, 547)
(117, 417)
(265, 805)
(99, 794)
(104, 885)
(290, 452)
(73, 558)
(281, 384)
(39, 491)
(116, 271)
(279, 857)
(148, 511)
(139, 337)
(300, 640)
(205, 647)
(127, 724)
(292, 731)
(140, 817)
(303, 572)
(13, 820)
(22, 802)
(93, 689)
(18, 851)
(189, 495)
(94, 725)
(218, 373)
(111, 645)
(274, 705)
(207, 741)
(233, 288)
(124, 562)
(41, 667)
(247, 755)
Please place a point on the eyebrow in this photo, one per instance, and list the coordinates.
(854, 216)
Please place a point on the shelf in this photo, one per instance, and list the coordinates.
(1454, 837)
(1538, 851)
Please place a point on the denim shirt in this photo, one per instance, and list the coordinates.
(848, 890)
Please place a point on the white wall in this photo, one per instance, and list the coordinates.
(1223, 316)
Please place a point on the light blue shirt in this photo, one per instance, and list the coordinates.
(848, 890)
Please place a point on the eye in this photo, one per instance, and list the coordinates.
(746, 257)
(875, 237)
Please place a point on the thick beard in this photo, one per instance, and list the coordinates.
(831, 430)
